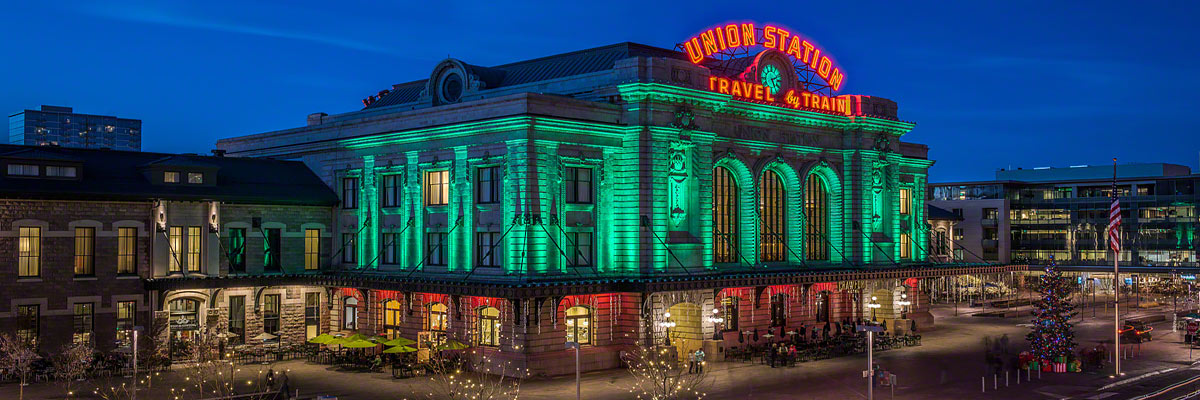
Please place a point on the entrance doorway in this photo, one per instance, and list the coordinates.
(184, 326)
(687, 336)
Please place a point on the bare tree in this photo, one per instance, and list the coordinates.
(72, 364)
(455, 377)
(112, 390)
(17, 355)
(658, 375)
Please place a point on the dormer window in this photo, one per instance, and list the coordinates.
(23, 170)
(195, 177)
(171, 177)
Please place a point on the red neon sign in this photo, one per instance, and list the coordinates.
(758, 93)
(772, 37)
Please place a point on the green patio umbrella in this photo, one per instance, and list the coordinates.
(399, 341)
(358, 336)
(337, 342)
(452, 345)
(400, 349)
(321, 339)
(360, 344)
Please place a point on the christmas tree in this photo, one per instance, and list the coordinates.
(1052, 336)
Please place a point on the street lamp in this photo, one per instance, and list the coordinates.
(716, 320)
(904, 303)
(873, 305)
(667, 324)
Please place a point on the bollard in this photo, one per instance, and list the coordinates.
(982, 384)
(1039, 374)
(1005, 378)
(995, 381)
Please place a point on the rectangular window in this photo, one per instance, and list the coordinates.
(29, 254)
(85, 251)
(390, 248)
(579, 185)
(60, 171)
(23, 170)
(991, 213)
(237, 317)
(437, 188)
(171, 177)
(392, 189)
(312, 249)
(271, 314)
(487, 249)
(28, 323)
(126, 320)
(435, 248)
(237, 249)
(905, 246)
(83, 318)
(271, 249)
(194, 253)
(195, 177)
(349, 253)
(349, 193)
(579, 249)
(905, 201)
(126, 251)
(487, 185)
(312, 315)
(175, 242)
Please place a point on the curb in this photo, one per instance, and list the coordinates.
(1135, 379)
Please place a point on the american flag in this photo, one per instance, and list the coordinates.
(1114, 221)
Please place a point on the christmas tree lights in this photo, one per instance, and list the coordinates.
(1052, 338)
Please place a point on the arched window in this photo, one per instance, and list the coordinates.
(579, 325)
(729, 305)
(779, 309)
(816, 211)
(725, 208)
(350, 313)
(391, 318)
(822, 306)
(488, 326)
(438, 317)
(772, 211)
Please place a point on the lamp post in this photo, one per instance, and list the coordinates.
(873, 305)
(667, 324)
(716, 320)
(904, 303)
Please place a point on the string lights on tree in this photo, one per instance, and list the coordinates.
(1052, 338)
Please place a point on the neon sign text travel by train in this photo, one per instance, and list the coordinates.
(754, 92)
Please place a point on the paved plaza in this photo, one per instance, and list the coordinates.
(949, 365)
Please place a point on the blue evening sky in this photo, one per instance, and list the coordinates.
(989, 84)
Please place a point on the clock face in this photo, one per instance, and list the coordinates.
(771, 78)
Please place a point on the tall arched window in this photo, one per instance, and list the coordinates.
(816, 211)
(438, 317)
(488, 326)
(391, 318)
(822, 306)
(779, 309)
(579, 324)
(729, 306)
(350, 313)
(725, 208)
(772, 210)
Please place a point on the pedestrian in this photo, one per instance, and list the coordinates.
(284, 388)
(692, 362)
(700, 361)
(270, 378)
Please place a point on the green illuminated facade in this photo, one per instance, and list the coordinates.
(609, 179)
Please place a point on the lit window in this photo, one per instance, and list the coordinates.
(905, 201)
(816, 212)
(905, 246)
(194, 249)
(729, 306)
(23, 170)
(126, 320)
(350, 313)
(171, 177)
(488, 326)
(175, 242)
(195, 177)
(439, 319)
(312, 315)
(579, 185)
(391, 318)
(312, 249)
(771, 209)
(126, 251)
(579, 325)
(725, 220)
(437, 188)
(28, 323)
(85, 251)
(30, 253)
(61, 172)
(83, 318)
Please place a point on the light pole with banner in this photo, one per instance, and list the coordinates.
(575, 345)
(870, 372)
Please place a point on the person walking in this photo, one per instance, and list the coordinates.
(700, 361)
(692, 362)
(270, 378)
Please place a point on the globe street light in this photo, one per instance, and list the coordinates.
(716, 320)
(904, 303)
(873, 305)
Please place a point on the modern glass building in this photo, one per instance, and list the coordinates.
(1029, 215)
(61, 126)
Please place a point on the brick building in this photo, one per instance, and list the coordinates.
(87, 228)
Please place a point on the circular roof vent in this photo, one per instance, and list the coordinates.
(451, 88)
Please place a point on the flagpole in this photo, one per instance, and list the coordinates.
(1116, 285)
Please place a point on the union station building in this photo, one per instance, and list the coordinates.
(598, 196)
